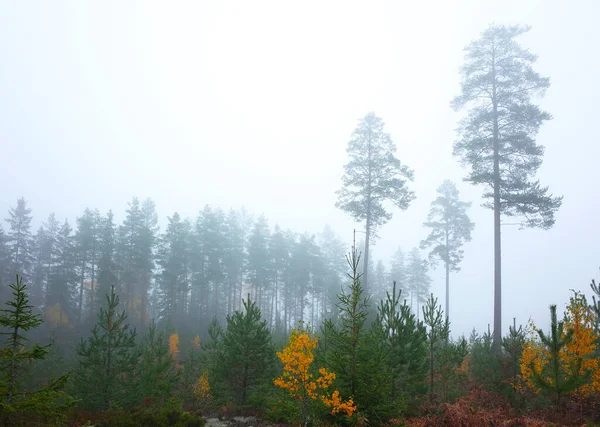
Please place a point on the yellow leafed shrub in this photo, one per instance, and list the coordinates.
(173, 342)
(576, 359)
(300, 383)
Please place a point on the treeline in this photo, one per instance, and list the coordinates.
(192, 271)
(189, 273)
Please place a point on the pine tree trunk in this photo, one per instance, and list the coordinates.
(79, 316)
(431, 369)
(366, 261)
(13, 365)
(497, 235)
(447, 274)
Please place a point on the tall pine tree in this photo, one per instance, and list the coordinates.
(497, 138)
(450, 229)
(373, 176)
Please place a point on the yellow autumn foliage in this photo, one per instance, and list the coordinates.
(196, 342)
(582, 348)
(202, 388)
(297, 359)
(173, 342)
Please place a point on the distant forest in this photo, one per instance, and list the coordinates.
(191, 272)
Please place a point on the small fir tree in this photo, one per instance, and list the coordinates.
(437, 335)
(406, 345)
(158, 375)
(105, 378)
(248, 355)
(355, 353)
(50, 401)
(548, 366)
(513, 349)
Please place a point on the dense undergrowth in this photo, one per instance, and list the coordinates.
(369, 367)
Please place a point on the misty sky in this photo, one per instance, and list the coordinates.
(252, 103)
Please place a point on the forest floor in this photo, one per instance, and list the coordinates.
(482, 408)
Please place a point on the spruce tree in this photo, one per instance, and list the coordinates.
(373, 176)
(19, 240)
(4, 265)
(497, 138)
(248, 355)
(50, 400)
(450, 229)
(105, 378)
(158, 375)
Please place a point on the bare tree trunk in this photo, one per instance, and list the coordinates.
(447, 274)
(497, 234)
(80, 314)
(366, 260)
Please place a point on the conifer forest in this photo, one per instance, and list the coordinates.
(404, 292)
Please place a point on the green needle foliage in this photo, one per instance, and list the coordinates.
(248, 355)
(50, 401)
(355, 353)
(552, 378)
(437, 335)
(372, 177)
(158, 375)
(406, 347)
(497, 137)
(105, 378)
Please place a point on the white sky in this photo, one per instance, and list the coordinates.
(233, 103)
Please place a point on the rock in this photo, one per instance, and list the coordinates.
(215, 422)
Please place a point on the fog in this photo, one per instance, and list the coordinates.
(253, 103)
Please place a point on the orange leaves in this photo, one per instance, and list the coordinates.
(196, 342)
(202, 388)
(297, 359)
(576, 359)
(173, 342)
(580, 317)
(337, 405)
